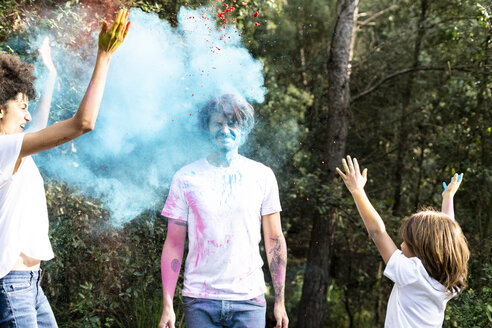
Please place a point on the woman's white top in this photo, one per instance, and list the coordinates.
(417, 299)
(23, 213)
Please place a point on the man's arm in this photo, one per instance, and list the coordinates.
(41, 114)
(355, 182)
(276, 251)
(447, 206)
(172, 256)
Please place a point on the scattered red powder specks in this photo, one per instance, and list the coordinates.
(255, 14)
(192, 96)
(222, 14)
(190, 114)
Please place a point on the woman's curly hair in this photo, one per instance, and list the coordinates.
(15, 76)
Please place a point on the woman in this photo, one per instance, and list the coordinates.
(24, 239)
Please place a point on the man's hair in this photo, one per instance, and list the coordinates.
(15, 77)
(437, 240)
(235, 108)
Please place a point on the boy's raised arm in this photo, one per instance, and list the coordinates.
(355, 182)
(450, 190)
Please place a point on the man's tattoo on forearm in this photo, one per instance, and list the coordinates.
(175, 265)
(178, 222)
(277, 266)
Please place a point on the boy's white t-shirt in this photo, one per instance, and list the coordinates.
(223, 207)
(23, 213)
(417, 299)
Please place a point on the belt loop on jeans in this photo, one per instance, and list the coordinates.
(39, 276)
(32, 275)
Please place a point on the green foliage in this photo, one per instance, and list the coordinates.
(103, 276)
(473, 307)
(106, 277)
(12, 13)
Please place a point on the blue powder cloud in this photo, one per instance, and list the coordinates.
(146, 128)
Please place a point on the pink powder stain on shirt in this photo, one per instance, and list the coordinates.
(171, 203)
(204, 292)
(208, 291)
(199, 232)
(213, 242)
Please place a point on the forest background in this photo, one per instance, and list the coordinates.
(405, 86)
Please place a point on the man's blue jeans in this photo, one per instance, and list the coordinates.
(208, 313)
(23, 303)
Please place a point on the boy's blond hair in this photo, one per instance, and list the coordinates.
(437, 240)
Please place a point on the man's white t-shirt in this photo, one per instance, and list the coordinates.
(23, 213)
(223, 207)
(417, 299)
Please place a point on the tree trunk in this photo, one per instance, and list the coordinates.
(404, 126)
(300, 34)
(314, 290)
(378, 309)
(420, 176)
(484, 119)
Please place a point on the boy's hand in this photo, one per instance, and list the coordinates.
(353, 179)
(110, 40)
(452, 187)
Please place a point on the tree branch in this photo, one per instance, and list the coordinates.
(376, 15)
(413, 69)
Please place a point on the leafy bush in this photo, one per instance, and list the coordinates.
(473, 308)
(103, 276)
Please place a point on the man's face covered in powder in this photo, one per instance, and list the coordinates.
(224, 134)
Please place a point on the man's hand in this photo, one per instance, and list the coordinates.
(353, 179)
(451, 189)
(280, 315)
(168, 318)
(45, 53)
(110, 40)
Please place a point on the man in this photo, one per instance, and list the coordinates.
(221, 203)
